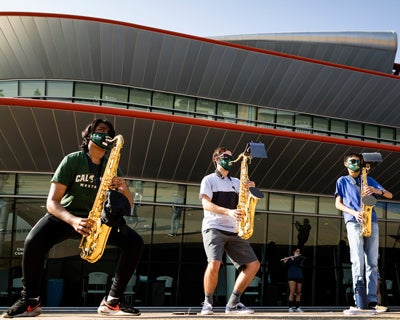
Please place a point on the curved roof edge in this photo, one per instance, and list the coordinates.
(386, 40)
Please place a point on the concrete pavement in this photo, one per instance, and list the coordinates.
(194, 313)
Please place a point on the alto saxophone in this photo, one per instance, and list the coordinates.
(248, 196)
(93, 245)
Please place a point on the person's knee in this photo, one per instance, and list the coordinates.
(213, 266)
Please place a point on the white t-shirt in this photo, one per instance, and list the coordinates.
(223, 192)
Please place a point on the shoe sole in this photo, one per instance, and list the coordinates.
(206, 313)
(107, 312)
(26, 314)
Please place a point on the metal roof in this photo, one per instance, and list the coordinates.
(34, 137)
(36, 134)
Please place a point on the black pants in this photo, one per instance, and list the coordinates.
(50, 230)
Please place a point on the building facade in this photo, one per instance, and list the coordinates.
(175, 98)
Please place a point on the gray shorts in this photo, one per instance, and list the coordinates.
(216, 242)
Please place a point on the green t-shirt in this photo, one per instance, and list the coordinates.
(75, 172)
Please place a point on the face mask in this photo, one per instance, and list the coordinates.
(225, 162)
(353, 165)
(100, 139)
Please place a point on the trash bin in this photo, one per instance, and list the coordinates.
(55, 289)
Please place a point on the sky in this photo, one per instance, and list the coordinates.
(232, 17)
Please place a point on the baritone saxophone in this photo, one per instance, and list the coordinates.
(248, 196)
(93, 245)
(367, 201)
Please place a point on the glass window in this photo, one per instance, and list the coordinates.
(392, 230)
(31, 88)
(393, 211)
(380, 209)
(140, 97)
(163, 100)
(280, 229)
(7, 183)
(33, 184)
(89, 91)
(246, 113)
(28, 212)
(191, 226)
(354, 129)
(338, 126)
(329, 231)
(6, 227)
(321, 125)
(387, 133)
(268, 116)
(260, 225)
(59, 89)
(205, 107)
(371, 131)
(192, 195)
(306, 229)
(262, 204)
(303, 123)
(184, 104)
(397, 136)
(306, 204)
(327, 206)
(280, 202)
(115, 94)
(227, 111)
(285, 119)
(8, 88)
(170, 193)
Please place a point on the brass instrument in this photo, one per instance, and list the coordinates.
(248, 196)
(368, 201)
(93, 245)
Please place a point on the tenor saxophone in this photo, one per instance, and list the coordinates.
(368, 202)
(93, 245)
(248, 198)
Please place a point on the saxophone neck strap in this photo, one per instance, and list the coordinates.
(219, 174)
(96, 170)
(355, 184)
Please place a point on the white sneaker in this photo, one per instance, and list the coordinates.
(299, 309)
(291, 310)
(239, 308)
(207, 308)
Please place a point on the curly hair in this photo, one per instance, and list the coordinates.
(87, 132)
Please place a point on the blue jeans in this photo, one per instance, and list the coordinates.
(364, 255)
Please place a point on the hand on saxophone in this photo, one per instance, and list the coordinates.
(359, 216)
(118, 184)
(238, 214)
(83, 226)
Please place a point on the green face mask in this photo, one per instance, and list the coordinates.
(100, 139)
(353, 165)
(225, 162)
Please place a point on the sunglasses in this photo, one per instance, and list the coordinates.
(353, 161)
(225, 156)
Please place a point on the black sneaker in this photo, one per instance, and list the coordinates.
(24, 307)
(116, 308)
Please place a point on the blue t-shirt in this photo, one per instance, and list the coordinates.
(350, 194)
